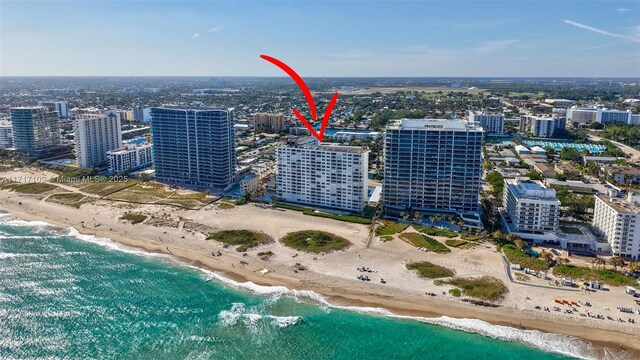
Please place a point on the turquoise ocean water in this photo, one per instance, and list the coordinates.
(66, 295)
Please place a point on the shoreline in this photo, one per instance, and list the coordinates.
(336, 293)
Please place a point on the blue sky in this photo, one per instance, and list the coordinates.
(323, 38)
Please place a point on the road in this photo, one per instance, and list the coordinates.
(635, 154)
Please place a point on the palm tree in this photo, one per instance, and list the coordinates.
(404, 216)
(596, 262)
(617, 261)
(546, 255)
(633, 266)
(417, 217)
(512, 238)
(497, 235)
(521, 244)
(561, 260)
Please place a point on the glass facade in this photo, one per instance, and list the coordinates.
(432, 169)
(194, 147)
(35, 128)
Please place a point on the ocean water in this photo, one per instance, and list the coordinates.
(66, 295)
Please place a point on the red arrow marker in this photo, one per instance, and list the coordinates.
(307, 95)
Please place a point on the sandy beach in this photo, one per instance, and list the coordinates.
(334, 275)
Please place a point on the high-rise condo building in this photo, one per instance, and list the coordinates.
(141, 114)
(546, 127)
(194, 147)
(328, 176)
(58, 106)
(491, 123)
(432, 165)
(130, 157)
(530, 207)
(273, 123)
(599, 115)
(35, 128)
(95, 135)
(615, 219)
(6, 134)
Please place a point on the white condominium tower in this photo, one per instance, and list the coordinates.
(6, 134)
(491, 123)
(58, 106)
(599, 115)
(616, 220)
(323, 175)
(542, 126)
(530, 207)
(432, 165)
(95, 135)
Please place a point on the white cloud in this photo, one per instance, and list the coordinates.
(214, 29)
(622, 10)
(490, 47)
(633, 38)
(196, 35)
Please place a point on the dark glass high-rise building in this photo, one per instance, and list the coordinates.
(432, 166)
(194, 147)
(35, 128)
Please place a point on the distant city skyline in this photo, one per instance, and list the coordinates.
(224, 38)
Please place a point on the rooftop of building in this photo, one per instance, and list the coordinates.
(435, 124)
(28, 107)
(622, 205)
(339, 148)
(523, 188)
(622, 170)
(129, 147)
(191, 108)
(543, 118)
(485, 112)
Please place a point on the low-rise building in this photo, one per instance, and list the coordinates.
(623, 174)
(599, 159)
(130, 157)
(566, 169)
(250, 183)
(545, 169)
(530, 206)
(615, 219)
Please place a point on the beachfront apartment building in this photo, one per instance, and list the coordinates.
(598, 115)
(58, 106)
(130, 157)
(272, 123)
(194, 147)
(35, 128)
(95, 135)
(530, 206)
(491, 123)
(6, 134)
(545, 127)
(329, 176)
(615, 219)
(432, 165)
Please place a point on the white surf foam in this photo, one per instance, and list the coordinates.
(240, 313)
(561, 344)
